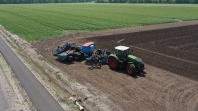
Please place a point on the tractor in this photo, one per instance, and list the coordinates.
(122, 59)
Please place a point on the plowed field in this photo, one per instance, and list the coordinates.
(170, 81)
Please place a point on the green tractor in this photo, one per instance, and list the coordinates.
(122, 59)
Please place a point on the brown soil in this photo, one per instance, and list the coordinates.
(170, 51)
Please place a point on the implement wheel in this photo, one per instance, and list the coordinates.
(113, 63)
(70, 58)
(100, 63)
(130, 69)
(77, 57)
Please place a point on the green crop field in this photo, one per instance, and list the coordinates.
(40, 21)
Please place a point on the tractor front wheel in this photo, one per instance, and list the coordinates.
(113, 63)
(131, 69)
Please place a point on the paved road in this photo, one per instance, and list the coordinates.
(41, 99)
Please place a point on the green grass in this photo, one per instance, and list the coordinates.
(40, 21)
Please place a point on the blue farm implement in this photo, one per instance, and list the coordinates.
(77, 52)
(99, 57)
(63, 48)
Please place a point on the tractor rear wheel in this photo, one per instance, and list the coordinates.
(130, 69)
(113, 62)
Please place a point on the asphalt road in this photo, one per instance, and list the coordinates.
(40, 97)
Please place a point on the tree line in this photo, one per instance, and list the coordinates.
(149, 1)
(97, 1)
(41, 1)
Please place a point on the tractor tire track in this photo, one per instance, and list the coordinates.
(165, 55)
(181, 41)
(193, 102)
(178, 66)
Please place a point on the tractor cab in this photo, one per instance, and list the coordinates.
(122, 59)
(122, 51)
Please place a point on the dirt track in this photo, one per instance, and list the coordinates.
(171, 57)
